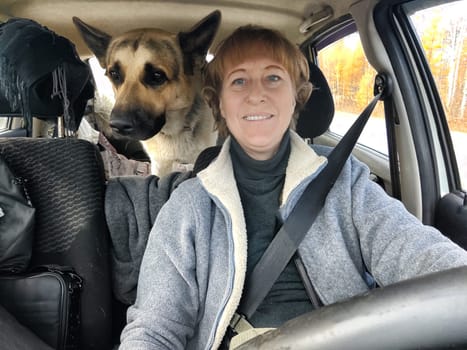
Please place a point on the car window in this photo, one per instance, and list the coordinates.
(103, 84)
(351, 79)
(3, 123)
(9, 123)
(441, 30)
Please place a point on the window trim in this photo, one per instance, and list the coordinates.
(451, 168)
(415, 92)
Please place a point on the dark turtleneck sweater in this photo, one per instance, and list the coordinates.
(260, 185)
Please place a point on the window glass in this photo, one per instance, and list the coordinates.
(3, 123)
(351, 79)
(442, 31)
(10, 123)
(103, 84)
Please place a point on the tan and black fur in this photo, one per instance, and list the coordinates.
(156, 76)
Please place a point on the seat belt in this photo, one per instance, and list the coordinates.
(286, 241)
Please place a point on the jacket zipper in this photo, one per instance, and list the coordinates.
(310, 290)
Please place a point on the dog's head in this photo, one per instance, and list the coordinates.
(155, 74)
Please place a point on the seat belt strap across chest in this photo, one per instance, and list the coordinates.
(286, 241)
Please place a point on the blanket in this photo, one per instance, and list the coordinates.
(131, 207)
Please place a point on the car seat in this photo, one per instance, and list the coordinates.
(65, 181)
(42, 76)
(316, 116)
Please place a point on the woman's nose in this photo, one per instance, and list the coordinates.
(256, 93)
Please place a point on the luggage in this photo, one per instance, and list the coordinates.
(47, 301)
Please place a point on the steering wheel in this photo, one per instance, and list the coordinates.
(428, 312)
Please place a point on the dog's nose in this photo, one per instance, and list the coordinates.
(121, 126)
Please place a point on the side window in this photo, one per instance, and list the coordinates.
(11, 126)
(103, 84)
(4, 123)
(351, 79)
(442, 32)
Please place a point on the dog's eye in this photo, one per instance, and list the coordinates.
(157, 78)
(115, 76)
(154, 77)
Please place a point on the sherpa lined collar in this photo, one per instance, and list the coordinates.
(219, 180)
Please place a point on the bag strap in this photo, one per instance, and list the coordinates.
(285, 243)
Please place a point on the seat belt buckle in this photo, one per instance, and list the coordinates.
(239, 323)
(231, 331)
(235, 320)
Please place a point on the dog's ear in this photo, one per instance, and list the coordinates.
(196, 42)
(97, 40)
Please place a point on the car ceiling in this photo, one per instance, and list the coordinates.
(116, 17)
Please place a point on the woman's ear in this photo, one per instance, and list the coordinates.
(304, 93)
(212, 99)
(209, 95)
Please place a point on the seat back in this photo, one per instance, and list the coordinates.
(317, 114)
(65, 181)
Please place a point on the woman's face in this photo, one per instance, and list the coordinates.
(257, 102)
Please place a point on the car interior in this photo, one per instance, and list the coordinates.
(67, 176)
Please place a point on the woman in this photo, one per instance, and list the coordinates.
(215, 227)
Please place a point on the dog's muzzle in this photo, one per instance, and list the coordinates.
(136, 124)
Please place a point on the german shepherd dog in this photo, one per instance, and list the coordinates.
(156, 77)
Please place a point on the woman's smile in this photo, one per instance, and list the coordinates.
(257, 117)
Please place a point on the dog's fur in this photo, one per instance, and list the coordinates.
(156, 76)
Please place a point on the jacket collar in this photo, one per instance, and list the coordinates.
(219, 180)
(303, 163)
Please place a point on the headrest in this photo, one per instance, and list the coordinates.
(317, 114)
(41, 74)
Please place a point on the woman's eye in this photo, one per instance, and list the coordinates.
(273, 78)
(238, 82)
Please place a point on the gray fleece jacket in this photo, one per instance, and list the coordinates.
(193, 270)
